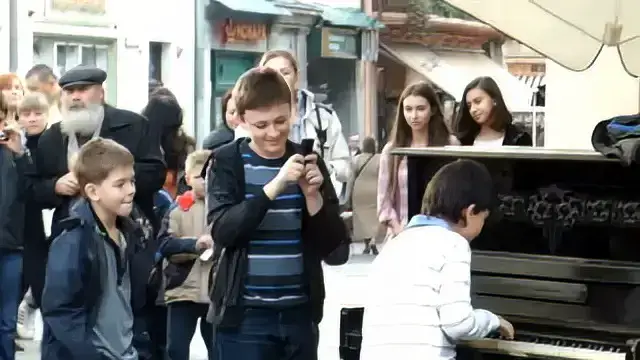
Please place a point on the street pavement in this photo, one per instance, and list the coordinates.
(344, 287)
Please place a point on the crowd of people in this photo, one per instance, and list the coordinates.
(151, 234)
(129, 264)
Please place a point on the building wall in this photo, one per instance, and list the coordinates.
(125, 29)
(5, 46)
(577, 101)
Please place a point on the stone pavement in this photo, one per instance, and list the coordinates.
(344, 288)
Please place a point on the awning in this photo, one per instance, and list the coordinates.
(453, 70)
(532, 81)
(348, 17)
(264, 7)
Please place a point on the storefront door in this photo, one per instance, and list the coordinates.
(227, 66)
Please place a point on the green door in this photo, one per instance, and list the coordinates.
(227, 68)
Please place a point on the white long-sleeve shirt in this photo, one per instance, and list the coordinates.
(418, 299)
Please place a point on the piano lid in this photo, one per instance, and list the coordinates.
(511, 152)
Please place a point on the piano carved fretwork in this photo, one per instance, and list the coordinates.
(560, 254)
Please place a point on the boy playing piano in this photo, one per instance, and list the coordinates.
(418, 303)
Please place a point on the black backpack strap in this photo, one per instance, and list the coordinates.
(320, 133)
(359, 170)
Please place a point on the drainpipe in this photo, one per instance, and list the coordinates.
(13, 35)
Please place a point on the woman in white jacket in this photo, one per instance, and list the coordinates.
(312, 120)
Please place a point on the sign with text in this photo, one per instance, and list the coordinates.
(239, 32)
(339, 43)
(93, 7)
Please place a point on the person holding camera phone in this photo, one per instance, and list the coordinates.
(274, 216)
(14, 160)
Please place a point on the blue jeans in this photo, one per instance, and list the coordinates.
(269, 334)
(10, 294)
(182, 318)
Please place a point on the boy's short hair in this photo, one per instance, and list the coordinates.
(455, 187)
(97, 159)
(42, 72)
(33, 101)
(259, 88)
(196, 160)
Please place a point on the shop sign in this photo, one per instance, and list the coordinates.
(339, 43)
(93, 7)
(241, 32)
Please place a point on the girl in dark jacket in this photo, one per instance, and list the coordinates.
(165, 122)
(483, 118)
(224, 134)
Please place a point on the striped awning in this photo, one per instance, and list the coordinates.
(532, 81)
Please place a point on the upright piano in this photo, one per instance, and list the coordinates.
(559, 256)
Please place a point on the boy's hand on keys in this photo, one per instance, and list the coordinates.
(506, 329)
(204, 242)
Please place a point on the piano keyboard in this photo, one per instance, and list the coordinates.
(547, 348)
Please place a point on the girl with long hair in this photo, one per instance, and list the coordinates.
(483, 118)
(165, 124)
(419, 123)
(12, 93)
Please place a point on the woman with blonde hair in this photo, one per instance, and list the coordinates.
(312, 120)
(419, 123)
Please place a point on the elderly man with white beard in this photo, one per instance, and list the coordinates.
(85, 116)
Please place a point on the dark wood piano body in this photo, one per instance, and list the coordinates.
(560, 254)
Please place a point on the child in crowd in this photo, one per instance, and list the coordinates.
(274, 216)
(33, 114)
(418, 302)
(89, 296)
(186, 273)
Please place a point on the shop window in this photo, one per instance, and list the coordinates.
(68, 55)
(155, 62)
(539, 68)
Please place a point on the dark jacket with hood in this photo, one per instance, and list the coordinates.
(619, 138)
(13, 188)
(218, 137)
(513, 136)
(234, 219)
(73, 286)
(165, 119)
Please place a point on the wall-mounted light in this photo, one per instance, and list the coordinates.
(179, 51)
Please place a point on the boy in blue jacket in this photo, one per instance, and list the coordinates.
(89, 301)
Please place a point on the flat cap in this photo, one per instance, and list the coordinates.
(83, 75)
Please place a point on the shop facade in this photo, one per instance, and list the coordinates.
(339, 53)
(233, 36)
